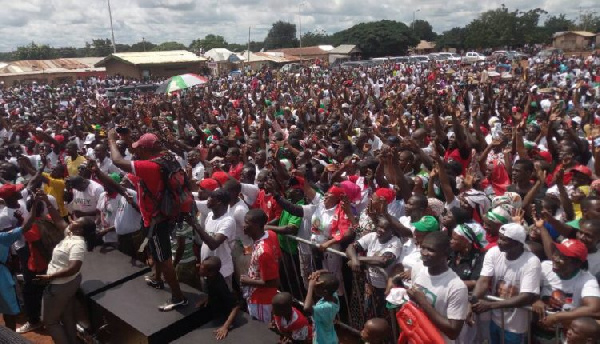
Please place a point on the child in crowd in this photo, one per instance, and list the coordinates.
(291, 324)
(323, 284)
(375, 331)
(219, 299)
(582, 330)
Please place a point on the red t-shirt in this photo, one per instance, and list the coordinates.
(268, 204)
(454, 154)
(264, 265)
(36, 262)
(149, 173)
(236, 171)
(566, 178)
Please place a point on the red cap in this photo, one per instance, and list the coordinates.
(573, 248)
(220, 177)
(147, 140)
(59, 138)
(8, 190)
(208, 184)
(583, 169)
(387, 193)
(299, 183)
(546, 156)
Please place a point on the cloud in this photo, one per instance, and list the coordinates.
(73, 22)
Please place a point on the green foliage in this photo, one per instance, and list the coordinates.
(141, 46)
(99, 47)
(34, 52)
(380, 38)
(589, 21)
(502, 28)
(208, 42)
(423, 30)
(166, 46)
(281, 35)
(317, 37)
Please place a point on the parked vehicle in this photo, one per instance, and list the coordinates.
(451, 57)
(549, 52)
(291, 68)
(472, 57)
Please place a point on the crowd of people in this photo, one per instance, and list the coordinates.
(321, 197)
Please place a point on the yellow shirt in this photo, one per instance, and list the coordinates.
(72, 165)
(56, 188)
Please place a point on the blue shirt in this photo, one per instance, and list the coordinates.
(324, 313)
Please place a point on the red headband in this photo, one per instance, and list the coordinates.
(336, 191)
(386, 193)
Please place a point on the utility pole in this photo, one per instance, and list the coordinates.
(249, 43)
(413, 22)
(300, 20)
(144, 43)
(111, 27)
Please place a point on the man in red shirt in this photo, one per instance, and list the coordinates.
(232, 158)
(147, 148)
(262, 280)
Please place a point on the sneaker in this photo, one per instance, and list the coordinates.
(28, 327)
(155, 284)
(172, 304)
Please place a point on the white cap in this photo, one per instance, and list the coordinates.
(514, 231)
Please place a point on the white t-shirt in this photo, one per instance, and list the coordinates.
(572, 291)
(223, 225)
(250, 193)
(594, 263)
(198, 172)
(72, 247)
(86, 200)
(509, 279)
(321, 219)
(370, 243)
(447, 293)
(108, 167)
(238, 212)
(127, 219)
(108, 209)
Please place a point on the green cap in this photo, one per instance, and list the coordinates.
(427, 224)
(115, 177)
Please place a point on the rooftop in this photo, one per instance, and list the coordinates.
(276, 57)
(153, 57)
(304, 51)
(345, 49)
(578, 33)
(49, 66)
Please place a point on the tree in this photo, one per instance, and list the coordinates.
(34, 52)
(380, 38)
(558, 24)
(99, 47)
(208, 42)
(454, 38)
(142, 46)
(316, 37)
(166, 46)
(281, 35)
(589, 21)
(423, 30)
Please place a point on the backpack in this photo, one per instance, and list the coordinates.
(176, 198)
(50, 237)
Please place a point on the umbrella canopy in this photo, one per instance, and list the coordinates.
(181, 82)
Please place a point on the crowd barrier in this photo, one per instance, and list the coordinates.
(356, 330)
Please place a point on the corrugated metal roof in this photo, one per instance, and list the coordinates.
(276, 57)
(56, 65)
(345, 49)
(153, 57)
(579, 33)
(302, 51)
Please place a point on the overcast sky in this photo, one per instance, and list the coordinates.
(72, 22)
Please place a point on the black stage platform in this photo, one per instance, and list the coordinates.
(245, 330)
(105, 268)
(131, 310)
